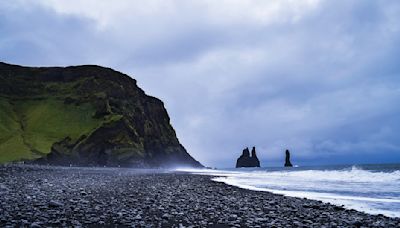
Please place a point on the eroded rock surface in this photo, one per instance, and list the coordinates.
(287, 159)
(245, 160)
(83, 115)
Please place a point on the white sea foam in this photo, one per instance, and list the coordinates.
(371, 192)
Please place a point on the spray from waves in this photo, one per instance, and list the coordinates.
(374, 192)
(354, 174)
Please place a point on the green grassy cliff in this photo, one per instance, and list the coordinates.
(35, 125)
(83, 115)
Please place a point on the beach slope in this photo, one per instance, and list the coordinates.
(60, 196)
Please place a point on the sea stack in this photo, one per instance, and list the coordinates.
(287, 159)
(246, 161)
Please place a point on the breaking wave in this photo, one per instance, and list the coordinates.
(371, 191)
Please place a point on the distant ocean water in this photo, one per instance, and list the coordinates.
(373, 189)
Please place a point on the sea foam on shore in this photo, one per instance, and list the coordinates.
(42, 196)
(374, 189)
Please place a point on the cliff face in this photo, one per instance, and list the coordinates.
(246, 161)
(83, 115)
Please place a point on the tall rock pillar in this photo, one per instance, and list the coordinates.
(287, 159)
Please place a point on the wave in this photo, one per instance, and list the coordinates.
(364, 204)
(374, 192)
(355, 174)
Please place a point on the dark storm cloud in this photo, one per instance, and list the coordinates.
(318, 77)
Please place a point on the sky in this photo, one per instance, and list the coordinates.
(320, 78)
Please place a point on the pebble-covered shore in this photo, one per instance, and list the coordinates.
(37, 196)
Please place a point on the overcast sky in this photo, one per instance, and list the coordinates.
(321, 78)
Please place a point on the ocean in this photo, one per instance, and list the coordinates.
(374, 189)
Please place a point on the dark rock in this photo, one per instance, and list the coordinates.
(54, 203)
(122, 126)
(166, 216)
(3, 188)
(36, 225)
(246, 161)
(124, 198)
(357, 223)
(233, 217)
(287, 159)
(339, 208)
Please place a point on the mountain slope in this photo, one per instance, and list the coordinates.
(83, 115)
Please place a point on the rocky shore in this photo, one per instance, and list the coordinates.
(38, 196)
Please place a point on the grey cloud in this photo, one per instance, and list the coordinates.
(325, 85)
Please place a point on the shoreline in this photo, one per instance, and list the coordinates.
(340, 182)
(53, 196)
(304, 195)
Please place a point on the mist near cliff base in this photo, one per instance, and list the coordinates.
(320, 78)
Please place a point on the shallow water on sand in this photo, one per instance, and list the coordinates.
(373, 189)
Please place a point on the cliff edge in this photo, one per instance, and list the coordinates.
(83, 115)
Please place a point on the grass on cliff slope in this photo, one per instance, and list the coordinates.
(35, 125)
(11, 143)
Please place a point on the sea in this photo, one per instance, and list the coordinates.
(374, 188)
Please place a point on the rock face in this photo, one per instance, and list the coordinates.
(83, 115)
(287, 159)
(246, 161)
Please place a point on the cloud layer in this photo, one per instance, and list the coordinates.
(318, 77)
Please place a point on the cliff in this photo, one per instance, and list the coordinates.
(83, 115)
(246, 161)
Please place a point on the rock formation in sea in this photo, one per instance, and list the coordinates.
(246, 161)
(83, 115)
(287, 159)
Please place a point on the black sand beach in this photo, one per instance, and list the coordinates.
(37, 196)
